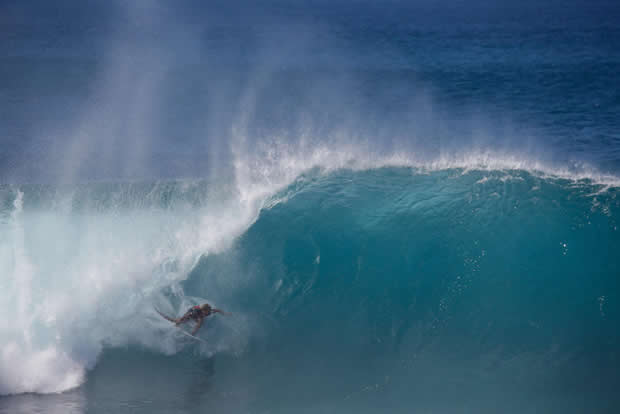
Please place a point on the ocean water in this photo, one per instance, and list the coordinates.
(407, 207)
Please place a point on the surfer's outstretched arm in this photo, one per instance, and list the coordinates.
(198, 325)
(220, 311)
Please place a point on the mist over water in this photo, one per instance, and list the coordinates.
(150, 89)
(407, 206)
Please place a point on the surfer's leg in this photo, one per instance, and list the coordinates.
(198, 325)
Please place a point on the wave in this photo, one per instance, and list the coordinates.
(392, 257)
(400, 288)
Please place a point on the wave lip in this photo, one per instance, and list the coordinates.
(281, 163)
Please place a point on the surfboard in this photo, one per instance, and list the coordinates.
(183, 331)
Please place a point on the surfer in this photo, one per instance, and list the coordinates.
(197, 313)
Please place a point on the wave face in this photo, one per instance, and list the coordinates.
(352, 289)
(392, 287)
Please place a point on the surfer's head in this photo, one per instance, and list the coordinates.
(206, 308)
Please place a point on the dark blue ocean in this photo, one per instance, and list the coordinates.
(407, 206)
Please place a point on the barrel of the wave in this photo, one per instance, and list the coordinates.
(471, 274)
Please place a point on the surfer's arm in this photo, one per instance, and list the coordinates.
(219, 311)
(198, 325)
